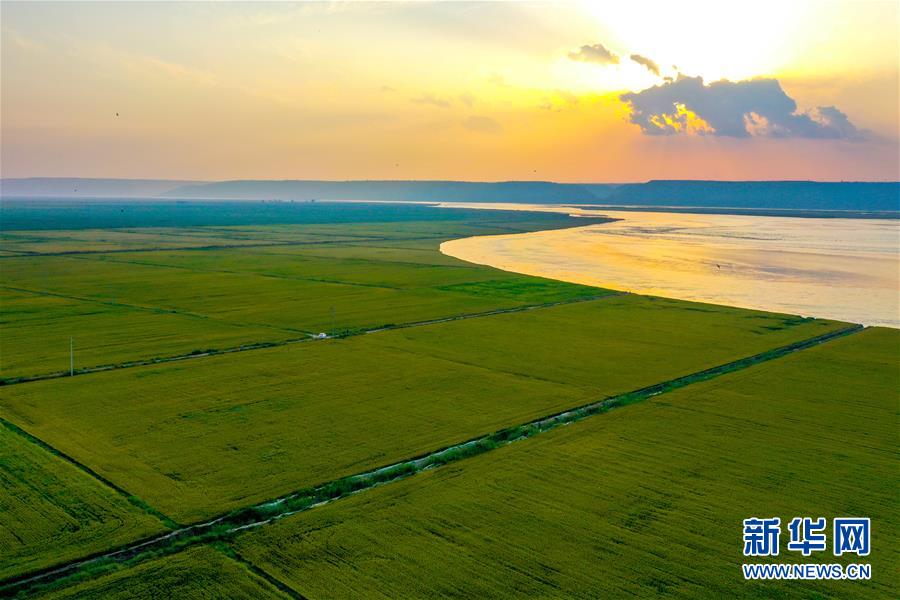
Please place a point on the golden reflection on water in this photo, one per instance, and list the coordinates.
(845, 269)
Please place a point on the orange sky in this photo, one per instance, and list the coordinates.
(487, 91)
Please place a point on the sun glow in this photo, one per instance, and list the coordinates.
(713, 39)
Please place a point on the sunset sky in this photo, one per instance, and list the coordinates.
(576, 92)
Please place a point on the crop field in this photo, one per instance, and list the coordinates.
(234, 403)
(197, 439)
(51, 511)
(200, 572)
(643, 501)
(142, 305)
(610, 346)
(37, 329)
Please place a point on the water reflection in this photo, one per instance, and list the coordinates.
(843, 269)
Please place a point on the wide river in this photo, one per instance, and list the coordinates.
(846, 269)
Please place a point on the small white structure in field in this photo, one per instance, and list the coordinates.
(321, 336)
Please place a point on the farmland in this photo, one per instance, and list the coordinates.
(177, 434)
(195, 573)
(50, 511)
(647, 500)
(235, 402)
(143, 305)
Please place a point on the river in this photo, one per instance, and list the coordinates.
(836, 268)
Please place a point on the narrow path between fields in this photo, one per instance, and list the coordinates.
(228, 525)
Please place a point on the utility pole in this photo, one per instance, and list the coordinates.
(71, 356)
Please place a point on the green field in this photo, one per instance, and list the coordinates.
(50, 511)
(132, 306)
(200, 572)
(645, 501)
(197, 439)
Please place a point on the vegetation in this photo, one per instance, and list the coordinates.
(215, 409)
(51, 512)
(131, 306)
(198, 572)
(199, 439)
(646, 501)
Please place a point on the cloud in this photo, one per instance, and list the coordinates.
(482, 125)
(596, 53)
(646, 62)
(754, 107)
(467, 99)
(433, 100)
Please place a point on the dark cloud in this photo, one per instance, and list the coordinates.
(755, 107)
(596, 53)
(433, 100)
(646, 62)
(482, 125)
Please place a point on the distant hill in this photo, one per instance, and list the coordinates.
(804, 195)
(428, 191)
(771, 195)
(75, 187)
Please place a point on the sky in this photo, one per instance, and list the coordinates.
(564, 91)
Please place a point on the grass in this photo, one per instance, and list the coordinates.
(199, 439)
(52, 512)
(198, 572)
(646, 501)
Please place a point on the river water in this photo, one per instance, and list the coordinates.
(846, 269)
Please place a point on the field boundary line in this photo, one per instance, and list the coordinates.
(236, 556)
(228, 525)
(308, 337)
(131, 498)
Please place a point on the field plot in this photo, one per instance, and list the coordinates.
(644, 501)
(37, 328)
(130, 306)
(199, 439)
(51, 512)
(611, 346)
(371, 268)
(200, 572)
